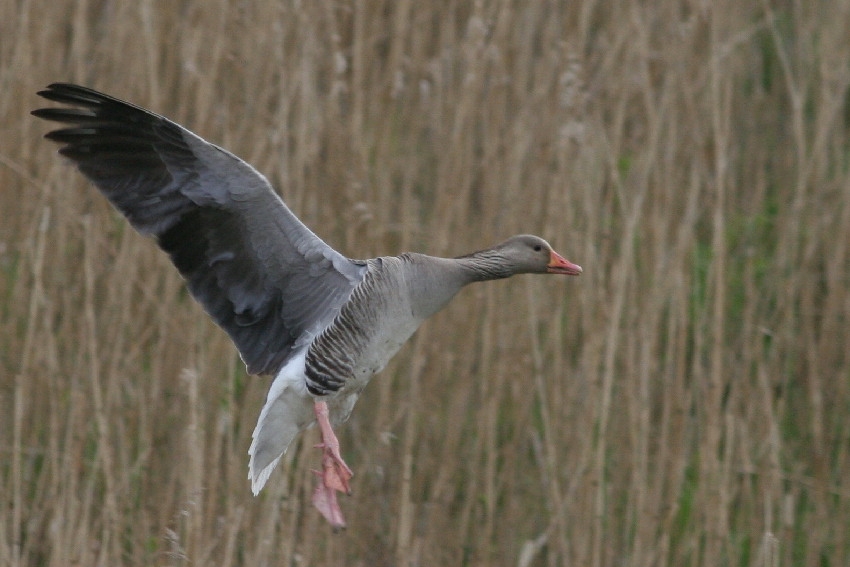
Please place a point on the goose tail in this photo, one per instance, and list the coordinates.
(288, 410)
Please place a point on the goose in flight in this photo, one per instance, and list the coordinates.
(321, 324)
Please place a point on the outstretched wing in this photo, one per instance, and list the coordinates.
(261, 274)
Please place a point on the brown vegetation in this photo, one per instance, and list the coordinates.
(685, 402)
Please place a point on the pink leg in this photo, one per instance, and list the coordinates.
(335, 473)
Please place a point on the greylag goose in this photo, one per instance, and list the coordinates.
(297, 309)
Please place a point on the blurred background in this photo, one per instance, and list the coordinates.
(686, 401)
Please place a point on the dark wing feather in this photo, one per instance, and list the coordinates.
(262, 275)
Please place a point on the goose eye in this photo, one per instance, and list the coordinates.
(537, 248)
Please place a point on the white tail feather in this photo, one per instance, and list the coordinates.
(288, 410)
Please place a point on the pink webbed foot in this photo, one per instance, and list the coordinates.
(334, 475)
(324, 499)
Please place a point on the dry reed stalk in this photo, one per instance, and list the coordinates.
(552, 468)
(36, 298)
(692, 382)
(404, 528)
(717, 522)
(106, 458)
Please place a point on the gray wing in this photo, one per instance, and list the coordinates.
(262, 275)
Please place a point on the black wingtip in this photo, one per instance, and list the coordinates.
(68, 93)
(67, 88)
(90, 104)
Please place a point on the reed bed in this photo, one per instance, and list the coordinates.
(685, 402)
